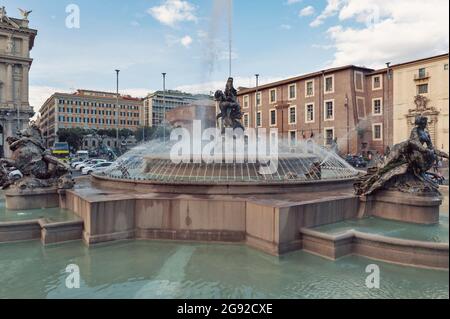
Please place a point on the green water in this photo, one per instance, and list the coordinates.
(147, 269)
(50, 214)
(433, 233)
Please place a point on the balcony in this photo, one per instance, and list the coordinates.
(421, 76)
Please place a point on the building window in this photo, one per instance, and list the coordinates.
(258, 99)
(273, 96)
(309, 111)
(359, 81)
(246, 101)
(376, 82)
(273, 117)
(292, 115)
(422, 89)
(422, 73)
(329, 84)
(329, 136)
(446, 66)
(258, 119)
(246, 120)
(292, 92)
(361, 107)
(292, 138)
(309, 88)
(377, 106)
(377, 132)
(329, 110)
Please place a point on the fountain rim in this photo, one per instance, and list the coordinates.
(222, 187)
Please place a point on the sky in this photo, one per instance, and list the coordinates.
(189, 40)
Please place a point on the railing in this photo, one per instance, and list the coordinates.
(421, 76)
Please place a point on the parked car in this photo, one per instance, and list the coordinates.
(78, 161)
(356, 161)
(97, 168)
(15, 174)
(91, 162)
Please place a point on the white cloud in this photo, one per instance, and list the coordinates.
(330, 10)
(39, 94)
(289, 2)
(186, 41)
(134, 23)
(307, 11)
(170, 12)
(388, 30)
(286, 27)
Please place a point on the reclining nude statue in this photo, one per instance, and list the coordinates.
(406, 167)
(37, 167)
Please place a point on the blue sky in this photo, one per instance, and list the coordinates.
(188, 40)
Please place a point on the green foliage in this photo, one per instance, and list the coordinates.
(73, 136)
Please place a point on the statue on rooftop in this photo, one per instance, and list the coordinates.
(230, 110)
(25, 13)
(406, 167)
(34, 165)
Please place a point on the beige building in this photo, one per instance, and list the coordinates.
(421, 88)
(155, 104)
(89, 110)
(16, 41)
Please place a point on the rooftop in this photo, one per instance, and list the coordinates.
(244, 90)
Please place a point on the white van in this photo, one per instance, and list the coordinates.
(82, 155)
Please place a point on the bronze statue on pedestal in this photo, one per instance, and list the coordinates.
(406, 167)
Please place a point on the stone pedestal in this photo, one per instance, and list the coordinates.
(403, 207)
(32, 199)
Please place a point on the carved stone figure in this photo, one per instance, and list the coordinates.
(24, 13)
(38, 168)
(230, 110)
(2, 14)
(406, 167)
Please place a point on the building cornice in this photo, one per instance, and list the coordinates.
(6, 58)
(421, 61)
(303, 77)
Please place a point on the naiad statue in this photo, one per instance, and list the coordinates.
(31, 165)
(406, 167)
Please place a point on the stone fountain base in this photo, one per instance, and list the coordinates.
(32, 199)
(396, 205)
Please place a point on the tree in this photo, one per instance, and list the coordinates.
(73, 136)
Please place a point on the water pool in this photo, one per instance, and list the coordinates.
(50, 214)
(433, 233)
(148, 269)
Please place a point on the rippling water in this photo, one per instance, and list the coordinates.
(147, 269)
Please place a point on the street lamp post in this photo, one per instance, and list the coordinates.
(117, 106)
(164, 106)
(256, 101)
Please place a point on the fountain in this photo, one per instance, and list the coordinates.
(402, 188)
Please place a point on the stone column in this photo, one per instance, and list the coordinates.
(9, 84)
(25, 88)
